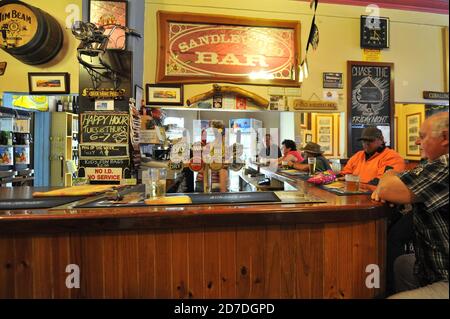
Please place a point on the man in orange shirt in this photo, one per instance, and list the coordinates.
(375, 158)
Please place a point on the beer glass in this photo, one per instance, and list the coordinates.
(312, 165)
(154, 180)
(351, 183)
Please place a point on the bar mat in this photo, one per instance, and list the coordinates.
(36, 203)
(234, 198)
(136, 199)
(339, 190)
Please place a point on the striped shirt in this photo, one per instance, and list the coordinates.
(429, 184)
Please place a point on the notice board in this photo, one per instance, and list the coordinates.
(370, 101)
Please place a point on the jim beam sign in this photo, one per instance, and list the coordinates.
(18, 25)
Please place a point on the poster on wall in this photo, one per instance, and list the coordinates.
(413, 122)
(324, 133)
(370, 99)
(106, 14)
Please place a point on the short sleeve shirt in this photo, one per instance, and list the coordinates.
(429, 184)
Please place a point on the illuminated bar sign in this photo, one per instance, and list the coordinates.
(205, 48)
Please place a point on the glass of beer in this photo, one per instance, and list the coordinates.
(351, 183)
(154, 180)
(284, 165)
(312, 165)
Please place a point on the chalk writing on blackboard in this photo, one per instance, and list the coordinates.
(370, 90)
(105, 163)
(92, 151)
(104, 128)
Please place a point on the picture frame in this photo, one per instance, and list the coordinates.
(413, 122)
(324, 125)
(49, 82)
(107, 12)
(164, 94)
(3, 67)
(138, 96)
(308, 138)
(205, 48)
(305, 120)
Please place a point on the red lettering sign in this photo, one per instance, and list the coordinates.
(227, 49)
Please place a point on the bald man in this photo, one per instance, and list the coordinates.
(423, 274)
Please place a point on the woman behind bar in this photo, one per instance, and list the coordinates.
(290, 153)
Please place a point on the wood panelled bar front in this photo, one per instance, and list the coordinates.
(206, 251)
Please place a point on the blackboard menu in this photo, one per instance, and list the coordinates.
(99, 151)
(99, 127)
(370, 100)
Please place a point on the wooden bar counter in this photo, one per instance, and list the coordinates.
(316, 250)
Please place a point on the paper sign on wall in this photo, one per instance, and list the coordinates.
(104, 174)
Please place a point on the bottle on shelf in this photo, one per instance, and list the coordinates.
(59, 106)
(65, 104)
(76, 105)
(11, 139)
(70, 105)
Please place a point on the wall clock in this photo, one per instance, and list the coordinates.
(374, 32)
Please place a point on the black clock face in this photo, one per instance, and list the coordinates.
(374, 32)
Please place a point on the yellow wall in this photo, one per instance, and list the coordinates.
(15, 78)
(401, 113)
(417, 48)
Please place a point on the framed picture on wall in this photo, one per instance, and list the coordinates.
(324, 133)
(413, 122)
(308, 138)
(106, 14)
(48, 83)
(305, 120)
(164, 94)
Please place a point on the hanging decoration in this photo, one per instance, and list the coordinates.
(313, 40)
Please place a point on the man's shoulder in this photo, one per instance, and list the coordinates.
(358, 155)
(438, 167)
(390, 152)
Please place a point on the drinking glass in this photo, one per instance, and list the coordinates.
(154, 180)
(351, 183)
(312, 165)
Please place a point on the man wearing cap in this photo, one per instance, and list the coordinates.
(312, 150)
(375, 158)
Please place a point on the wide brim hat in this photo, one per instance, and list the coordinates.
(312, 147)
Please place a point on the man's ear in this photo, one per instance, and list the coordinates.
(445, 137)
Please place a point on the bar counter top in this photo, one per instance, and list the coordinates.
(66, 217)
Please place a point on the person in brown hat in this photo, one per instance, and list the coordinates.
(312, 149)
(375, 158)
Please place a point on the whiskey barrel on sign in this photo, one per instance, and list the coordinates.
(28, 33)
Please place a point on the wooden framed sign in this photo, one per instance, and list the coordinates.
(197, 48)
(370, 101)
